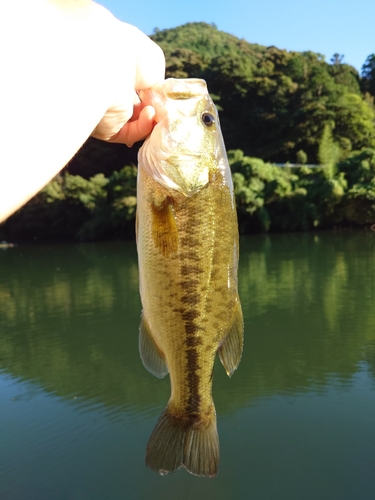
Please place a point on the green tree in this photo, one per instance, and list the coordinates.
(301, 157)
(354, 122)
(337, 59)
(329, 151)
(344, 74)
(358, 205)
(368, 74)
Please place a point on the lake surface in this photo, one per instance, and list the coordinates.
(296, 421)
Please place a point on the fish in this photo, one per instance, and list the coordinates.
(188, 250)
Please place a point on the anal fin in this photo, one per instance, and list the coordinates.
(152, 357)
(230, 351)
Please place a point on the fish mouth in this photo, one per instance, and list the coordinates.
(182, 89)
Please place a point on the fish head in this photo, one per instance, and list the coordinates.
(186, 146)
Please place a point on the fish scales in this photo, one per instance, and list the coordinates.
(188, 254)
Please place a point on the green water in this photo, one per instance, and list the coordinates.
(296, 421)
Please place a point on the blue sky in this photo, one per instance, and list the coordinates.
(324, 26)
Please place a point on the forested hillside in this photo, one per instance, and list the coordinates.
(275, 106)
(275, 103)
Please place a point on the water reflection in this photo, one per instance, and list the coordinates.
(69, 320)
(309, 306)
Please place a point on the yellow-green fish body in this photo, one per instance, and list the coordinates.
(187, 239)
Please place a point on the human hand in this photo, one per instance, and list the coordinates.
(128, 120)
(77, 75)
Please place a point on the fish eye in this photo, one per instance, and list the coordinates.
(208, 119)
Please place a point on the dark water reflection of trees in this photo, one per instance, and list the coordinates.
(69, 318)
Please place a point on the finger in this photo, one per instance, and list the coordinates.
(136, 130)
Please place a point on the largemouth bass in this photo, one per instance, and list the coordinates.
(187, 241)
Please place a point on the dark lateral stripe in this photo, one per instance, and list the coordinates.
(192, 341)
(192, 408)
(190, 284)
(189, 316)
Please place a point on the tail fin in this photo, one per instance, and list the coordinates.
(172, 445)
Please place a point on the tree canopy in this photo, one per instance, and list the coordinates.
(368, 74)
(274, 103)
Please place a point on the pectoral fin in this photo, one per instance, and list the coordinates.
(230, 351)
(152, 357)
(164, 228)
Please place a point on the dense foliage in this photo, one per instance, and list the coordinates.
(275, 103)
(274, 198)
(74, 208)
(275, 106)
(268, 198)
